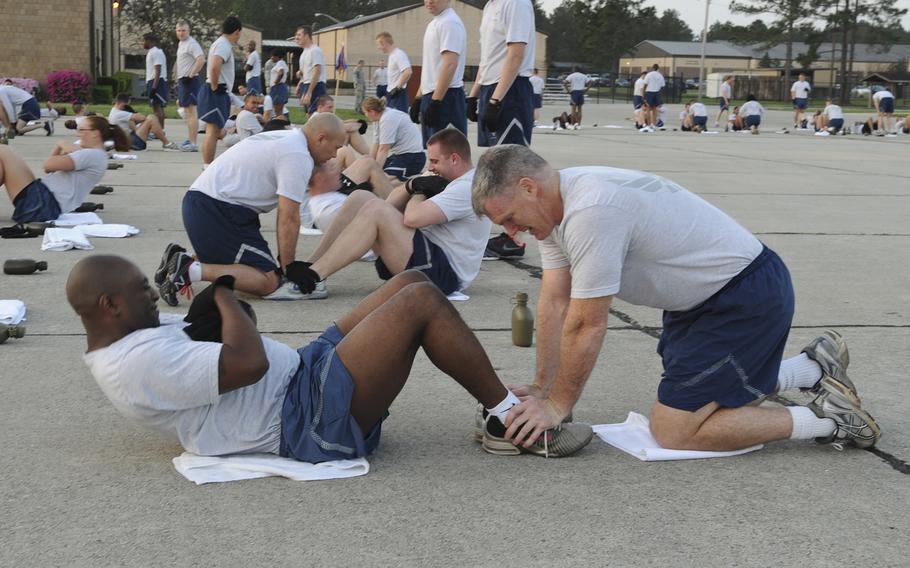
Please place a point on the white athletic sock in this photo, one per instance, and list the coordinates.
(502, 409)
(807, 426)
(195, 271)
(798, 372)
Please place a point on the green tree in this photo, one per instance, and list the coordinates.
(670, 27)
(756, 32)
(161, 16)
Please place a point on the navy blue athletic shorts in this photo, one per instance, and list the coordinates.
(452, 112)
(578, 98)
(404, 166)
(157, 97)
(224, 233)
(35, 203)
(700, 121)
(836, 123)
(214, 108)
(637, 101)
(188, 91)
(429, 259)
(318, 91)
(399, 101)
(279, 93)
(653, 99)
(30, 110)
(801, 104)
(752, 120)
(538, 100)
(724, 105)
(254, 85)
(516, 118)
(137, 143)
(381, 91)
(886, 105)
(316, 421)
(729, 349)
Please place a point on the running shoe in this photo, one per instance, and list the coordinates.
(289, 292)
(559, 442)
(169, 251)
(178, 279)
(854, 425)
(503, 247)
(480, 415)
(170, 146)
(49, 127)
(830, 351)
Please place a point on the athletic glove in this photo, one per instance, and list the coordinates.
(204, 302)
(363, 126)
(394, 92)
(208, 326)
(431, 115)
(186, 80)
(415, 111)
(491, 116)
(472, 109)
(222, 89)
(428, 186)
(302, 275)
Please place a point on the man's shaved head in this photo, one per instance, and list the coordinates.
(324, 135)
(95, 276)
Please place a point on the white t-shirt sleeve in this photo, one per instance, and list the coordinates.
(172, 375)
(455, 201)
(317, 57)
(551, 256)
(388, 128)
(248, 122)
(223, 50)
(520, 27)
(452, 37)
(403, 61)
(195, 49)
(598, 238)
(292, 173)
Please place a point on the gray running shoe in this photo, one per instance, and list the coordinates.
(562, 441)
(854, 425)
(288, 292)
(170, 146)
(830, 351)
(480, 415)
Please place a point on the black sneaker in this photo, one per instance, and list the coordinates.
(503, 247)
(49, 128)
(169, 251)
(178, 279)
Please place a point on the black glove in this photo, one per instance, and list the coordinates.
(491, 116)
(302, 275)
(431, 115)
(363, 126)
(415, 111)
(208, 326)
(186, 80)
(391, 94)
(472, 109)
(222, 89)
(204, 302)
(428, 186)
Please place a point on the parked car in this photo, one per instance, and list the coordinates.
(691, 83)
(620, 82)
(865, 90)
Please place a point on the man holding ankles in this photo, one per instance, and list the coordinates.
(222, 207)
(727, 300)
(426, 224)
(243, 393)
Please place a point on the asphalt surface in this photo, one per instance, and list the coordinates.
(82, 487)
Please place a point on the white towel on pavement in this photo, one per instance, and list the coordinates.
(116, 156)
(634, 437)
(65, 239)
(458, 296)
(309, 231)
(109, 230)
(212, 469)
(11, 312)
(73, 219)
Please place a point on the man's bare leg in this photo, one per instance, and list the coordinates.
(383, 333)
(247, 278)
(22, 127)
(192, 123)
(713, 428)
(4, 120)
(210, 143)
(159, 114)
(151, 124)
(355, 140)
(367, 169)
(378, 227)
(14, 172)
(348, 211)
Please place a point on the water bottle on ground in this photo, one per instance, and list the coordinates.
(23, 266)
(522, 322)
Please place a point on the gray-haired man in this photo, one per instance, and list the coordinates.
(727, 300)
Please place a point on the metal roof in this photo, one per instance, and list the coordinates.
(693, 48)
(368, 18)
(865, 52)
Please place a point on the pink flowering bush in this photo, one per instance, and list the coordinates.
(23, 83)
(68, 86)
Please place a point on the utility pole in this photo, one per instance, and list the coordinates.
(704, 41)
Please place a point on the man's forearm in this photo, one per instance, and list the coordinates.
(551, 315)
(399, 198)
(579, 348)
(214, 73)
(200, 61)
(510, 69)
(446, 72)
(288, 231)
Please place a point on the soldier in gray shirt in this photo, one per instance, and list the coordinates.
(727, 300)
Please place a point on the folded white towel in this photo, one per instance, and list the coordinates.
(110, 230)
(458, 296)
(73, 219)
(634, 437)
(116, 156)
(11, 312)
(57, 239)
(309, 231)
(612, 126)
(211, 469)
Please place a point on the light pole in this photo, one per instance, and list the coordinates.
(704, 42)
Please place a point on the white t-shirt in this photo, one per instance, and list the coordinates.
(505, 22)
(259, 169)
(187, 52)
(397, 129)
(397, 62)
(311, 57)
(577, 81)
(464, 235)
(726, 91)
(751, 108)
(165, 381)
(883, 94)
(267, 104)
(800, 89)
(639, 88)
(644, 239)
(121, 118)
(254, 60)
(537, 84)
(834, 111)
(247, 124)
(155, 56)
(70, 188)
(698, 109)
(324, 207)
(281, 65)
(654, 82)
(222, 48)
(381, 76)
(445, 32)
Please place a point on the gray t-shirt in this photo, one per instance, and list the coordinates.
(165, 381)
(644, 239)
(397, 129)
(70, 188)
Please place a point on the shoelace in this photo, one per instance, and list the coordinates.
(187, 290)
